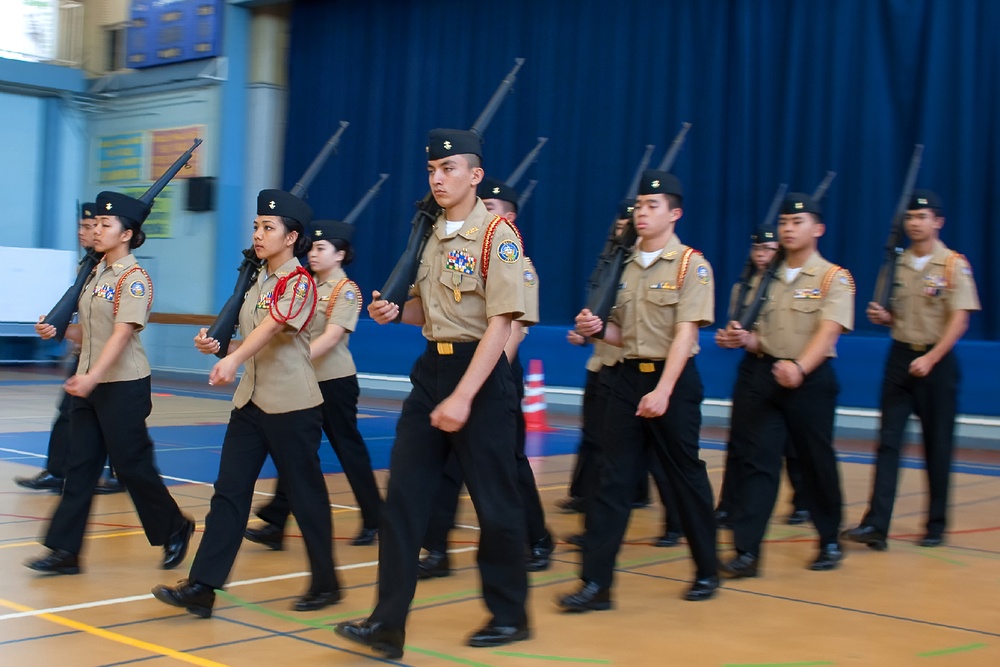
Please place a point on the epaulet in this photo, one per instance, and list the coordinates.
(121, 281)
(336, 291)
(949, 267)
(683, 267)
(491, 229)
(828, 280)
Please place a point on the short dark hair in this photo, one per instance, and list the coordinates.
(675, 201)
(341, 244)
(302, 243)
(138, 236)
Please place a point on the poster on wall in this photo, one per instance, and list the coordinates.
(28, 29)
(158, 224)
(168, 145)
(172, 31)
(120, 158)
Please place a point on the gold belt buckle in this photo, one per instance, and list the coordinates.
(445, 348)
(647, 367)
(918, 347)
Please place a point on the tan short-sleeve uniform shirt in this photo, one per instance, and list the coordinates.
(676, 287)
(794, 310)
(923, 299)
(456, 299)
(345, 298)
(124, 287)
(280, 377)
(531, 314)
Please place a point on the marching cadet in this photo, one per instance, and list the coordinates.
(665, 295)
(111, 397)
(932, 295)
(763, 248)
(336, 317)
(499, 199)
(792, 389)
(469, 288)
(277, 412)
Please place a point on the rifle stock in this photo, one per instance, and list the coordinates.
(397, 285)
(748, 269)
(893, 246)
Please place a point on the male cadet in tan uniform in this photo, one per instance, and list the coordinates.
(655, 398)
(931, 299)
(469, 288)
(499, 199)
(792, 389)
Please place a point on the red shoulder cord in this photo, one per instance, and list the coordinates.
(302, 278)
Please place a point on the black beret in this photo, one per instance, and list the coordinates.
(327, 230)
(491, 188)
(924, 199)
(798, 202)
(764, 234)
(656, 182)
(88, 210)
(625, 209)
(279, 202)
(443, 142)
(115, 203)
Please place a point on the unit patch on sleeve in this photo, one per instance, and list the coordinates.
(508, 252)
(137, 289)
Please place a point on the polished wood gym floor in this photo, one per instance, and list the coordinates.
(906, 606)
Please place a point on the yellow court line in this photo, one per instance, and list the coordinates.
(34, 543)
(115, 637)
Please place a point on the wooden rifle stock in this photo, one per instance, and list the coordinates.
(894, 245)
(397, 285)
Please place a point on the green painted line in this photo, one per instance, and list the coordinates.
(929, 553)
(949, 651)
(270, 612)
(445, 656)
(557, 658)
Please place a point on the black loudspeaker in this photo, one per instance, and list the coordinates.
(201, 193)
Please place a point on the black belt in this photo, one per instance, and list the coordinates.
(912, 347)
(644, 365)
(445, 348)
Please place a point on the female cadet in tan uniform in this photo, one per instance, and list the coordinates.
(277, 412)
(336, 317)
(111, 397)
(792, 389)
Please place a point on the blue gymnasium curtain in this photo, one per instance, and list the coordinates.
(777, 91)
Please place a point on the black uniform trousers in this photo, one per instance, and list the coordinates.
(485, 450)
(587, 466)
(292, 440)
(729, 493)
(773, 414)
(111, 422)
(446, 498)
(934, 400)
(674, 438)
(340, 423)
(59, 436)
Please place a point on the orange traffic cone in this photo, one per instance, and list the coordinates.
(534, 399)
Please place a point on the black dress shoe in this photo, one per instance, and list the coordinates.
(312, 600)
(541, 550)
(702, 589)
(59, 561)
(576, 540)
(723, 519)
(195, 597)
(270, 535)
(669, 539)
(829, 558)
(744, 566)
(869, 535)
(590, 597)
(176, 547)
(366, 537)
(931, 541)
(797, 517)
(570, 504)
(43, 481)
(108, 486)
(374, 635)
(498, 635)
(434, 564)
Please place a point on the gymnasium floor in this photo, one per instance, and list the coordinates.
(907, 606)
